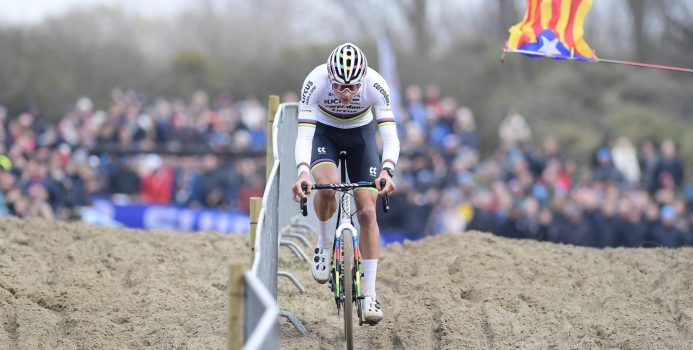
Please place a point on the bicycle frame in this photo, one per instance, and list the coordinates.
(346, 230)
(346, 275)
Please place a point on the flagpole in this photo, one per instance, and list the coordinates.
(599, 60)
(647, 65)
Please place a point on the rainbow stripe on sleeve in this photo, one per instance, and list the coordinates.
(386, 121)
(309, 123)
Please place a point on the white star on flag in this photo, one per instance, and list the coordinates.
(549, 48)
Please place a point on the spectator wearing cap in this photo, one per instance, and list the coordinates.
(604, 170)
(157, 181)
(667, 234)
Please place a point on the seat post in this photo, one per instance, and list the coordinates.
(342, 165)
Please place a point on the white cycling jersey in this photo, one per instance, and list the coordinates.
(319, 104)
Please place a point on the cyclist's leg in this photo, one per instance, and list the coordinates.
(325, 203)
(369, 244)
(324, 170)
(370, 233)
(363, 165)
(324, 157)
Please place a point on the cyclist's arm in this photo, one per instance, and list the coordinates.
(387, 124)
(307, 120)
(304, 144)
(388, 133)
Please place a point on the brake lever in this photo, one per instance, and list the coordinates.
(386, 198)
(304, 201)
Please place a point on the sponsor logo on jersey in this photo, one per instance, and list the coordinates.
(383, 109)
(334, 105)
(308, 90)
(381, 89)
(321, 150)
(371, 171)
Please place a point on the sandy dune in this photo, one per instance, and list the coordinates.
(72, 286)
(479, 291)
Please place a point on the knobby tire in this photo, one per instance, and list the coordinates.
(348, 288)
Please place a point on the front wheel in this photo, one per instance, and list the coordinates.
(348, 275)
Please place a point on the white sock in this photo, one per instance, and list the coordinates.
(325, 235)
(370, 270)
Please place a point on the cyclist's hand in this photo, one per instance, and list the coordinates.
(389, 185)
(297, 191)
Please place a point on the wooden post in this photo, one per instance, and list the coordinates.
(236, 299)
(272, 106)
(255, 205)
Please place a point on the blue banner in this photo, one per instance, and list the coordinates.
(160, 217)
(175, 218)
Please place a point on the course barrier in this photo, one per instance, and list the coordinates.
(253, 297)
(254, 312)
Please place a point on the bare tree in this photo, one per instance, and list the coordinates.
(638, 10)
(416, 13)
(677, 34)
(423, 20)
(508, 15)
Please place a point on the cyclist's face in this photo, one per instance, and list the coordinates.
(346, 92)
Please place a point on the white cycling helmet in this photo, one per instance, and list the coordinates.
(347, 64)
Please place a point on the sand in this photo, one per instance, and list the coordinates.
(73, 286)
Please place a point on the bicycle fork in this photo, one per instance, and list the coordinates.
(358, 275)
(346, 231)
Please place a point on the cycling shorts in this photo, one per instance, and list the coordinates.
(359, 143)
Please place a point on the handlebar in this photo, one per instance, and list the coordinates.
(386, 198)
(304, 207)
(343, 187)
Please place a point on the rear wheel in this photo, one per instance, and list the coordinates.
(348, 274)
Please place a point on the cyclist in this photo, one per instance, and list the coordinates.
(338, 101)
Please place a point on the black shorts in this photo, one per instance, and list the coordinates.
(361, 149)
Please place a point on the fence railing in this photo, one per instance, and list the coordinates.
(260, 315)
(254, 296)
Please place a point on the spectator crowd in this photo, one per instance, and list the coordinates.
(628, 195)
(210, 153)
(200, 154)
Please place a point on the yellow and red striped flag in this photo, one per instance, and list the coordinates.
(553, 28)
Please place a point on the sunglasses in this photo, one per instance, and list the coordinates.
(352, 88)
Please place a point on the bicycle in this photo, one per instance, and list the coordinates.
(346, 269)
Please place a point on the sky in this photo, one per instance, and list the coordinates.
(34, 11)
